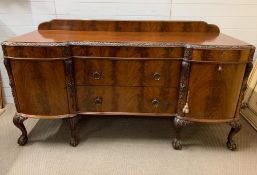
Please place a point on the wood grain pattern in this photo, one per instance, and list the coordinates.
(85, 70)
(187, 69)
(180, 33)
(127, 66)
(127, 72)
(128, 52)
(129, 26)
(129, 39)
(8, 67)
(41, 88)
(213, 94)
(167, 98)
(19, 52)
(221, 55)
(126, 99)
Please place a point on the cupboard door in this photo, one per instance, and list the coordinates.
(40, 87)
(214, 90)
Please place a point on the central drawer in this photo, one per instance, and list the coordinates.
(127, 99)
(124, 72)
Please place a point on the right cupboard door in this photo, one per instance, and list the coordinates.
(214, 89)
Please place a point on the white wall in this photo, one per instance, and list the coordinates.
(235, 17)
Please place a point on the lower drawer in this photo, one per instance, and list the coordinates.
(127, 99)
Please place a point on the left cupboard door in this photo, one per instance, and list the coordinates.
(40, 86)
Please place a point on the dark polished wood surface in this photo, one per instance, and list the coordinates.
(40, 87)
(127, 99)
(129, 26)
(180, 32)
(123, 37)
(213, 93)
(151, 68)
(127, 72)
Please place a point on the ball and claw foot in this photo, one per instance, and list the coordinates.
(231, 145)
(18, 122)
(235, 128)
(179, 125)
(23, 140)
(73, 125)
(176, 144)
(74, 142)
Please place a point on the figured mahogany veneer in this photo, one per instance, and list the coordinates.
(185, 69)
(127, 99)
(41, 86)
(127, 72)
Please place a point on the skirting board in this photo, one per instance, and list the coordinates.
(250, 116)
(249, 112)
(2, 111)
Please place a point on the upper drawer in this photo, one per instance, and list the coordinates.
(37, 52)
(127, 72)
(219, 55)
(127, 52)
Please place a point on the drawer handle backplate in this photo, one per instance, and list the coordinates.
(157, 76)
(98, 100)
(155, 102)
(96, 75)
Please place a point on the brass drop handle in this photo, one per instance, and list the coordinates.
(157, 76)
(155, 102)
(219, 68)
(98, 100)
(96, 75)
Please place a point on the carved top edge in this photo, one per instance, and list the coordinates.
(129, 25)
(128, 44)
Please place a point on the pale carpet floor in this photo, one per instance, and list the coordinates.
(124, 146)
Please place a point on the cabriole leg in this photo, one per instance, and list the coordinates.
(179, 124)
(235, 128)
(73, 125)
(18, 122)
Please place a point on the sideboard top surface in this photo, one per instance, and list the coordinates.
(120, 33)
(198, 38)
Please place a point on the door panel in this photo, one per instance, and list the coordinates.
(214, 90)
(40, 86)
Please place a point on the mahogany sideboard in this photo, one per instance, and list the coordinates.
(186, 70)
